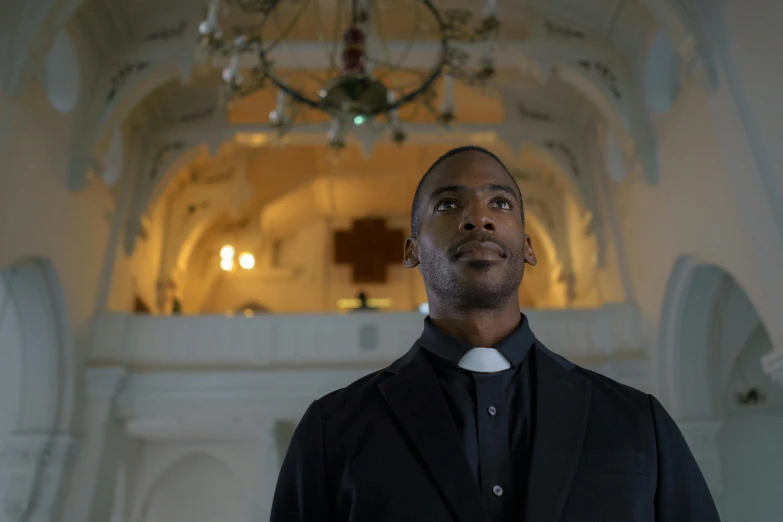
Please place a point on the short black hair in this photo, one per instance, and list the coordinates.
(415, 215)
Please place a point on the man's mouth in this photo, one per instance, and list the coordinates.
(480, 250)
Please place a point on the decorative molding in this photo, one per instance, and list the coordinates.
(223, 176)
(164, 54)
(167, 33)
(202, 114)
(563, 31)
(605, 73)
(573, 163)
(163, 156)
(154, 63)
(533, 114)
(120, 77)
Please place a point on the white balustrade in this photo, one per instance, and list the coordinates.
(363, 339)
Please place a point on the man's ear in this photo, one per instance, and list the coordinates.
(530, 256)
(411, 256)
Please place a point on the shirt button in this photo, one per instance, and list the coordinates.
(492, 410)
(497, 491)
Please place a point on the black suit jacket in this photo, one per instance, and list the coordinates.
(385, 449)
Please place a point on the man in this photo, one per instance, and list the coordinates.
(479, 421)
(364, 305)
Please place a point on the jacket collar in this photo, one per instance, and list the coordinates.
(514, 347)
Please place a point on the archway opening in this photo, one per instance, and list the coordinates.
(713, 345)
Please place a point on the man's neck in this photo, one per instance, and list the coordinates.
(484, 328)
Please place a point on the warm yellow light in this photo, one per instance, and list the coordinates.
(247, 260)
(347, 304)
(227, 264)
(252, 139)
(227, 252)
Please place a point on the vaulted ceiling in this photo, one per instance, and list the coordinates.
(569, 74)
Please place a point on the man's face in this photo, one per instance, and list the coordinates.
(472, 247)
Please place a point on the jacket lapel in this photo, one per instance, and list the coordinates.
(415, 397)
(562, 402)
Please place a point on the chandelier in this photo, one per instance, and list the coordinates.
(364, 76)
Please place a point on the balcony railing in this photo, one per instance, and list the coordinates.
(357, 339)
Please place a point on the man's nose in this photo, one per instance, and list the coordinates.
(477, 216)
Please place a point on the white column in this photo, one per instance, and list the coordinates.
(702, 438)
(267, 469)
(91, 481)
(31, 468)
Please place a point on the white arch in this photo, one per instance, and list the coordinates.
(560, 169)
(35, 335)
(37, 388)
(683, 375)
(627, 117)
(148, 197)
(189, 154)
(688, 365)
(194, 465)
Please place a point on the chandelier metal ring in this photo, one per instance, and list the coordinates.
(354, 93)
(436, 72)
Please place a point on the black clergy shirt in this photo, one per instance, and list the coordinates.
(492, 413)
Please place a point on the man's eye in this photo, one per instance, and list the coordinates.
(503, 204)
(446, 204)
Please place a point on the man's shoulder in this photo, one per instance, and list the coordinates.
(619, 415)
(360, 401)
(367, 387)
(604, 390)
(358, 391)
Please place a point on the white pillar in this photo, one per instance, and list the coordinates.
(31, 468)
(702, 439)
(90, 488)
(267, 469)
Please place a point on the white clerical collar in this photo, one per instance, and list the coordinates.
(484, 360)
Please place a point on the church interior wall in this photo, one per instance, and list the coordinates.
(693, 210)
(40, 216)
(752, 39)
